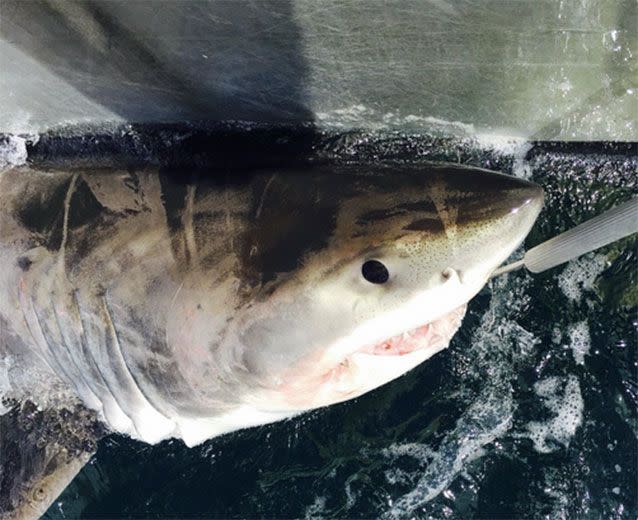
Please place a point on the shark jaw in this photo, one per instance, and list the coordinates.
(330, 378)
(336, 378)
(375, 352)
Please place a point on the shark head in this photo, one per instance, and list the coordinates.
(347, 279)
(194, 309)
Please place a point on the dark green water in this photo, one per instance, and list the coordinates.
(530, 413)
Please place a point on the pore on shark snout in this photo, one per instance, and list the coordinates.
(188, 310)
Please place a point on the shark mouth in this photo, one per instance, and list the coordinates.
(329, 380)
(431, 335)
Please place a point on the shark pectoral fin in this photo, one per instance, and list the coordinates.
(41, 451)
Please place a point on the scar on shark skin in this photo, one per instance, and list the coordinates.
(65, 222)
(187, 222)
(263, 196)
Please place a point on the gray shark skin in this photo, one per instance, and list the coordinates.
(159, 305)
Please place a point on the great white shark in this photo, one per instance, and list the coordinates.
(164, 305)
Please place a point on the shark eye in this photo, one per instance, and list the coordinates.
(375, 272)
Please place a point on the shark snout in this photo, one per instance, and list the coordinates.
(496, 223)
(491, 197)
(514, 215)
(521, 200)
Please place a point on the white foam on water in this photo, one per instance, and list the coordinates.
(362, 116)
(580, 341)
(398, 476)
(508, 145)
(351, 496)
(580, 275)
(13, 151)
(503, 143)
(411, 449)
(564, 400)
(317, 509)
(350, 116)
(466, 128)
(559, 490)
(487, 419)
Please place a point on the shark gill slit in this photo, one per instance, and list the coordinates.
(126, 373)
(86, 353)
(108, 397)
(78, 350)
(27, 321)
(45, 341)
(78, 383)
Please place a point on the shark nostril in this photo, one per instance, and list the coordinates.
(451, 274)
(447, 273)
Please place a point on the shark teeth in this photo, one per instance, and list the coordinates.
(427, 336)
